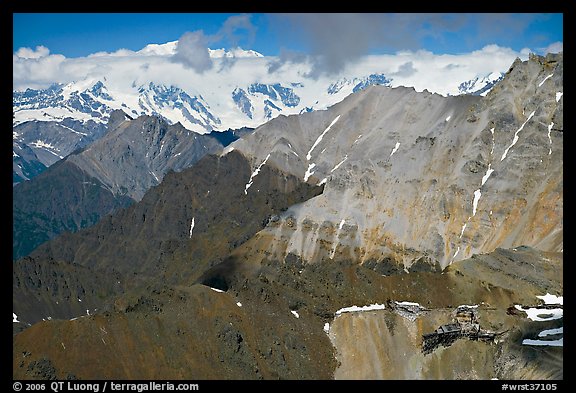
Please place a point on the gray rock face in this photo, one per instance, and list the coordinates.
(410, 175)
(136, 154)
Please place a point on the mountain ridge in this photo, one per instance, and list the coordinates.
(110, 173)
(463, 135)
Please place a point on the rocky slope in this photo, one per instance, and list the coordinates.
(111, 173)
(169, 235)
(290, 325)
(136, 154)
(63, 198)
(415, 177)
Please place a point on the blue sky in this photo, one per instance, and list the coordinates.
(76, 35)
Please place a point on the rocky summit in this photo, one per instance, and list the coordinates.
(395, 235)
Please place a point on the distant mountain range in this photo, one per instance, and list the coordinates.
(49, 124)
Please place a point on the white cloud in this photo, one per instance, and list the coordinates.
(28, 53)
(195, 71)
(439, 73)
(36, 72)
(555, 47)
(120, 53)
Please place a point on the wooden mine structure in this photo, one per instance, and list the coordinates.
(465, 325)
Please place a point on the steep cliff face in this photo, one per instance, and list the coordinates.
(420, 178)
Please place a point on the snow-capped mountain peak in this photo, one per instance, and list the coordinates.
(481, 85)
(240, 90)
(233, 53)
(175, 105)
(359, 83)
(167, 49)
(88, 100)
(170, 49)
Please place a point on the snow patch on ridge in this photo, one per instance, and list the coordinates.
(463, 228)
(493, 141)
(551, 332)
(254, 174)
(309, 172)
(340, 226)
(545, 79)
(516, 136)
(550, 343)
(191, 227)
(456, 253)
(552, 299)
(477, 195)
(539, 315)
(408, 304)
(487, 175)
(319, 139)
(340, 163)
(559, 95)
(370, 307)
(395, 148)
(227, 150)
(550, 137)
